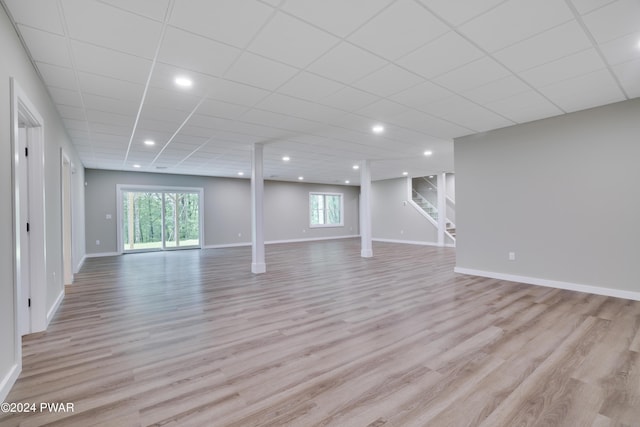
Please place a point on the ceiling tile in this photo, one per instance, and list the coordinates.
(110, 118)
(545, 47)
(73, 113)
(176, 100)
(46, 47)
(622, 49)
(498, 89)
(260, 72)
(614, 20)
(185, 50)
(565, 68)
(154, 9)
(110, 63)
(65, 97)
(80, 125)
(349, 99)
(47, 18)
(472, 75)
(422, 94)
(236, 93)
(229, 21)
(585, 6)
(336, 16)
(627, 73)
(441, 55)
(310, 86)
(465, 113)
(382, 110)
(586, 91)
(278, 121)
(399, 29)
(455, 13)
(110, 88)
(388, 81)
(525, 107)
(62, 77)
(110, 27)
(515, 20)
(108, 104)
(429, 125)
(276, 41)
(288, 105)
(212, 107)
(347, 63)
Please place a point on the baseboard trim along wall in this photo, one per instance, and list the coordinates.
(55, 306)
(275, 242)
(80, 264)
(407, 242)
(8, 381)
(101, 254)
(597, 290)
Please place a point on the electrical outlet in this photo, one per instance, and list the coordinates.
(108, 216)
(512, 256)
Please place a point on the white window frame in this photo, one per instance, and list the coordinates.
(323, 193)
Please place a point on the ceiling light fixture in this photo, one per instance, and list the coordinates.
(241, 173)
(378, 129)
(428, 153)
(149, 142)
(183, 82)
(347, 181)
(137, 166)
(430, 176)
(286, 158)
(300, 178)
(356, 167)
(405, 173)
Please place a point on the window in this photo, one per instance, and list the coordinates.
(326, 210)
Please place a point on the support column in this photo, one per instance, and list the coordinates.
(442, 207)
(258, 264)
(365, 209)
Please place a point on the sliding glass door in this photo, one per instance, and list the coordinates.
(159, 219)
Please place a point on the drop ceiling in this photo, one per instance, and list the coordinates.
(309, 79)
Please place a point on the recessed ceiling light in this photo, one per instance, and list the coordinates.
(286, 158)
(378, 129)
(430, 176)
(405, 173)
(356, 167)
(183, 81)
(149, 142)
(428, 153)
(240, 173)
(300, 178)
(136, 166)
(347, 182)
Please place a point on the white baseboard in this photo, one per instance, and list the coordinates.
(101, 254)
(407, 242)
(590, 289)
(8, 381)
(55, 306)
(275, 242)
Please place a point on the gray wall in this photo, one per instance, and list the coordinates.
(393, 218)
(15, 63)
(227, 208)
(562, 193)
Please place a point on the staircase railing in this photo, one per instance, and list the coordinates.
(427, 206)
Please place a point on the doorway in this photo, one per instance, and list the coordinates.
(159, 218)
(27, 135)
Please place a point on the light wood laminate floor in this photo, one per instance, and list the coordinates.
(326, 338)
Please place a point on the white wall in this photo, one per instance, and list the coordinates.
(562, 193)
(394, 218)
(227, 208)
(15, 63)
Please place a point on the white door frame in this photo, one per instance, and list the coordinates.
(25, 114)
(66, 217)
